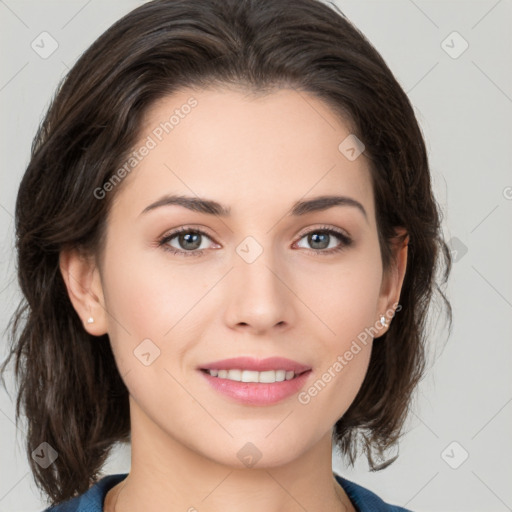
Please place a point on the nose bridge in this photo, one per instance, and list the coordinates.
(259, 295)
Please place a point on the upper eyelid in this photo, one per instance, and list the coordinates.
(339, 231)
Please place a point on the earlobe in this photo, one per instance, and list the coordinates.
(393, 280)
(82, 279)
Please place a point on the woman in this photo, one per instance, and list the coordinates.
(227, 242)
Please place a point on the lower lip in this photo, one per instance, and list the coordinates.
(257, 393)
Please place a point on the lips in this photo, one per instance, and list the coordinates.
(257, 393)
(252, 392)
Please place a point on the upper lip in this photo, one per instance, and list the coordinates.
(259, 365)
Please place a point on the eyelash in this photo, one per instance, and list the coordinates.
(344, 239)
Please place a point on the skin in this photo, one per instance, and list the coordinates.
(257, 156)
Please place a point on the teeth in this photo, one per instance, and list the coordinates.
(269, 376)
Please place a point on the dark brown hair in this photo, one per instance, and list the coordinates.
(69, 385)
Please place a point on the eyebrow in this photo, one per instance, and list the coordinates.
(211, 207)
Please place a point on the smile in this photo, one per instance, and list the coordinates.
(253, 376)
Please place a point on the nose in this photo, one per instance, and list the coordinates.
(260, 295)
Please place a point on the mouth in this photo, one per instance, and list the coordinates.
(255, 382)
(264, 377)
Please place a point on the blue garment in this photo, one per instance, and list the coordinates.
(92, 500)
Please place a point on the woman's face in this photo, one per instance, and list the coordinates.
(252, 283)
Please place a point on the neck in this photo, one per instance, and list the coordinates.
(167, 475)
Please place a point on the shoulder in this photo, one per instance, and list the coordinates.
(92, 499)
(365, 500)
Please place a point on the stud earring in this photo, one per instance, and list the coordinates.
(383, 321)
(90, 320)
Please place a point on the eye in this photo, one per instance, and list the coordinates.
(187, 238)
(321, 238)
(190, 240)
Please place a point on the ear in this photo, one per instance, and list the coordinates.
(82, 278)
(392, 280)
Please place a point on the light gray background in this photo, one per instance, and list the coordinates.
(464, 106)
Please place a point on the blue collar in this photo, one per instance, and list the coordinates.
(92, 500)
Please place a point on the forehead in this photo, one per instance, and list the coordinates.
(245, 151)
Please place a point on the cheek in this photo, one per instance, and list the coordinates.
(149, 298)
(336, 385)
(147, 308)
(345, 296)
(343, 354)
(345, 299)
